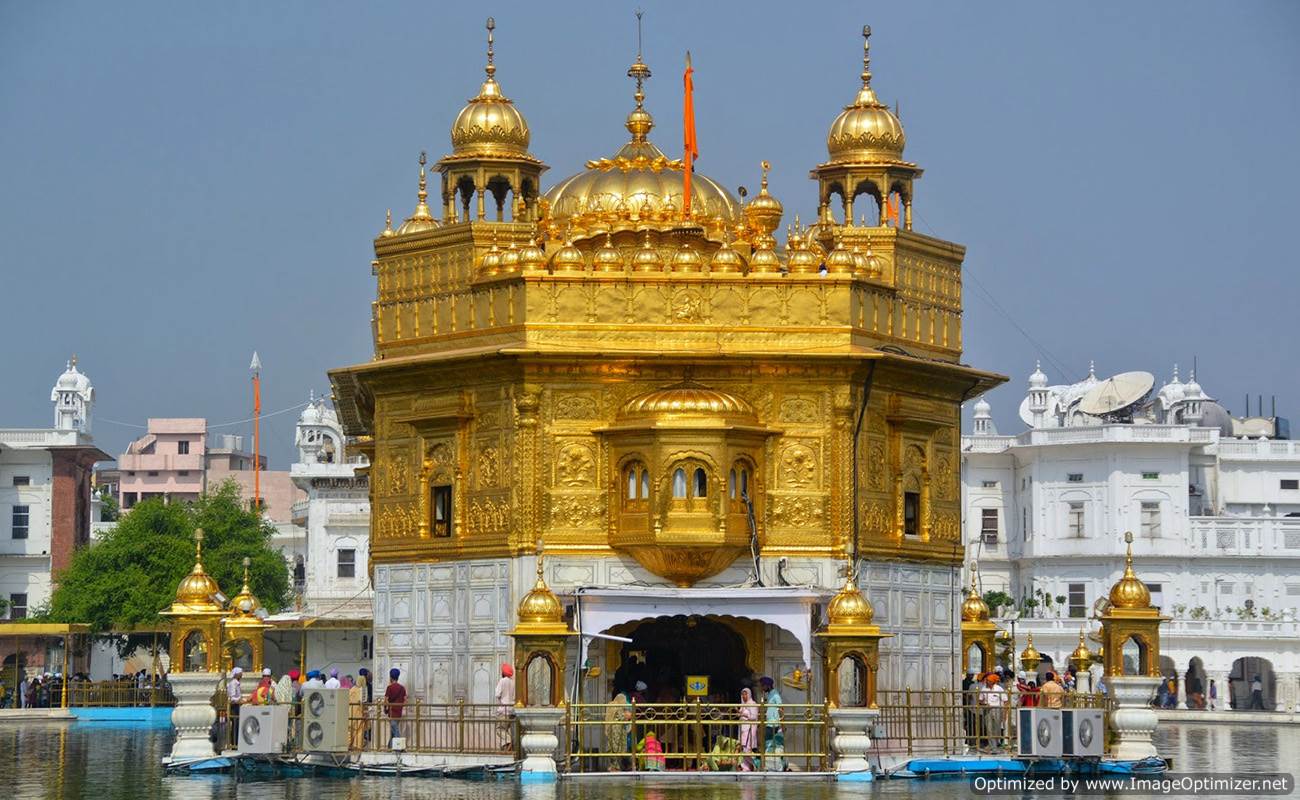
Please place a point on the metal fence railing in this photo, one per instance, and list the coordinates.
(696, 736)
(118, 694)
(953, 722)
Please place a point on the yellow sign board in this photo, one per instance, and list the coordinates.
(697, 685)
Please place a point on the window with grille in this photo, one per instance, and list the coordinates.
(1075, 477)
(21, 521)
(1077, 595)
(183, 447)
(1074, 520)
(347, 563)
(1150, 476)
(990, 484)
(1291, 483)
(989, 525)
(22, 480)
(1151, 520)
(441, 512)
(638, 488)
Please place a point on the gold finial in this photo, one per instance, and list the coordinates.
(247, 561)
(388, 225)
(765, 166)
(1128, 555)
(638, 72)
(491, 68)
(198, 546)
(866, 56)
(541, 556)
(423, 194)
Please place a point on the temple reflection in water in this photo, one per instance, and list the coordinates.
(700, 423)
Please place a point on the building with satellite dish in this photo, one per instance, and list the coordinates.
(1213, 501)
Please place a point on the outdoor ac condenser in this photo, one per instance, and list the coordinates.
(1083, 732)
(1040, 732)
(325, 720)
(263, 729)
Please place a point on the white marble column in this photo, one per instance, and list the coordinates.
(852, 742)
(539, 742)
(193, 715)
(1134, 721)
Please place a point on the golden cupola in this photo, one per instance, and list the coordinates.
(540, 610)
(866, 130)
(763, 214)
(849, 607)
(490, 124)
(198, 590)
(687, 404)
(864, 148)
(489, 156)
(639, 187)
(973, 608)
(1129, 592)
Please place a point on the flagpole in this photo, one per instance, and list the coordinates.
(256, 367)
(690, 149)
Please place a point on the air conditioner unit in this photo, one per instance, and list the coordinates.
(1083, 732)
(325, 720)
(263, 729)
(1040, 732)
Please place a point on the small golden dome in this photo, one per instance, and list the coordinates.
(871, 265)
(866, 131)
(540, 605)
(974, 609)
(568, 259)
(491, 263)
(1129, 591)
(849, 606)
(531, 258)
(647, 257)
(422, 218)
(608, 258)
(1030, 654)
(764, 260)
(197, 590)
(840, 261)
(388, 226)
(801, 260)
(1082, 656)
(726, 259)
(688, 399)
(490, 125)
(245, 604)
(510, 259)
(687, 259)
(763, 213)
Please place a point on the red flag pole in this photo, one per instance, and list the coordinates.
(690, 147)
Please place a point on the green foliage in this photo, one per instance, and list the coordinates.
(108, 508)
(131, 574)
(997, 599)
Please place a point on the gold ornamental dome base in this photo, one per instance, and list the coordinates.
(685, 565)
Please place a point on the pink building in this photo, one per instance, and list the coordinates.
(168, 461)
(178, 460)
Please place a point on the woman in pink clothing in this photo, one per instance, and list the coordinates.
(748, 727)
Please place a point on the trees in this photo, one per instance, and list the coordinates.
(131, 575)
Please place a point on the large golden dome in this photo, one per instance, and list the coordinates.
(685, 400)
(1129, 591)
(866, 131)
(198, 589)
(490, 125)
(638, 187)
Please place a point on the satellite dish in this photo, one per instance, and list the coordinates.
(1115, 395)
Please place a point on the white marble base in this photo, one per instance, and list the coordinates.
(539, 741)
(194, 714)
(1134, 721)
(852, 741)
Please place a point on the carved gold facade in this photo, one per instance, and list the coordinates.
(559, 375)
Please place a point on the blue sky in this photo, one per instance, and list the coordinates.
(185, 183)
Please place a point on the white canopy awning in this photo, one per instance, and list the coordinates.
(788, 608)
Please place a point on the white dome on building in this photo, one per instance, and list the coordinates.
(1038, 380)
(72, 396)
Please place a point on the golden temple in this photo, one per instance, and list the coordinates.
(675, 395)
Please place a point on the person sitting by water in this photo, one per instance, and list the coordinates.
(724, 755)
(650, 753)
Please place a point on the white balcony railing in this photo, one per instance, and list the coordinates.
(1244, 535)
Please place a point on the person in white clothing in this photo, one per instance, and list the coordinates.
(333, 682)
(505, 694)
(994, 699)
(235, 698)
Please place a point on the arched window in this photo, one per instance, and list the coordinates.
(637, 479)
(679, 484)
(701, 485)
(739, 487)
(731, 484)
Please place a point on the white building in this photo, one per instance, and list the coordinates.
(1216, 519)
(327, 547)
(45, 501)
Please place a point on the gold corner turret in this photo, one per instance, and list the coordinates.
(1130, 619)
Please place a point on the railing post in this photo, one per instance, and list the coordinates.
(460, 725)
(631, 744)
(907, 713)
(699, 735)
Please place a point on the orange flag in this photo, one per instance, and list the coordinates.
(891, 208)
(691, 149)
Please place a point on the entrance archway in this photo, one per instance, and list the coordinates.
(1243, 674)
(1196, 682)
(665, 650)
